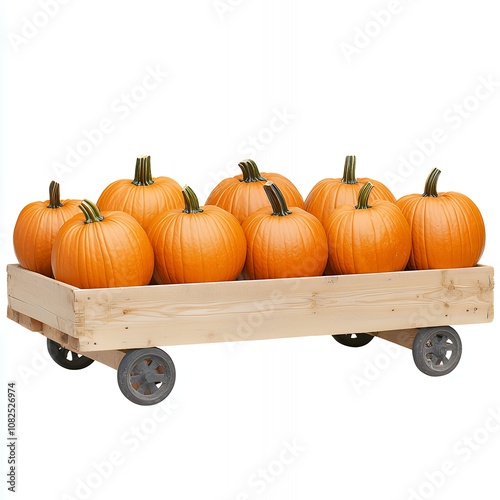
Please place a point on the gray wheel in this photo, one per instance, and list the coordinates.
(437, 350)
(146, 376)
(353, 339)
(66, 358)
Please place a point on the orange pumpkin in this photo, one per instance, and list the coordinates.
(282, 242)
(242, 195)
(36, 228)
(102, 250)
(197, 244)
(367, 238)
(144, 197)
(329, 194)
(447, 228)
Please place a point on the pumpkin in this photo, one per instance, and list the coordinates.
(196, 244)
(365, 238)
(283, 242)
(102, 250)
(36, 228)
(145, 196)
(447, 228)
(330, 193)
(243, 194)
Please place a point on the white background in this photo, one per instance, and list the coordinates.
(229, 72)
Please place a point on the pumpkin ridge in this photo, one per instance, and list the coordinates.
(351, 253)
(233, 194)
(226, 225)
(470, 214)
(28, 242)
(80, 235)
(106, 264)
(307, 234)
(451, 248)
(121, 232)
(458, 215)
(378, 231)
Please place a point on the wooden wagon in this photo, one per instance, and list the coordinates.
(122, 327)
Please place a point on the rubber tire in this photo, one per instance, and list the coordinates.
(130, 366)
(59, 354)
(421, 350)
(353, 339)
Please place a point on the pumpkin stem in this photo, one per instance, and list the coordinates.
(363, 196)
(143, 175)
(191, 204)
(92, 213)
(431, 183)
(276, 199)
(250, 171)
(54, 195)
(349, 176)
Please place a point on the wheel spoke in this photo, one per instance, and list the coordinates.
(74, 356)
(141, 367)
(435, 359)
(142, 388)
(135, 378)
(64, 352)
(154, 364)
(152, 388)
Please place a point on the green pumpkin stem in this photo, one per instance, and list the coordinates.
(54, 195)
(431, 183)
(91, 211)
(349, 176)
(276, 199)
(191, 203)
(363, 196)
(250, 171)
(143, 175)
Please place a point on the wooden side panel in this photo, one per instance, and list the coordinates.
(251, 310)
(36, 296)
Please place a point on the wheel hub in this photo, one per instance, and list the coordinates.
(150, 376)
(442, 352)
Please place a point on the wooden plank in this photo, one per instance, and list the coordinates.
(36, 296)
(163, 315)
(401, 337)
(62, 338)
(108, 358)
(25, 321)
